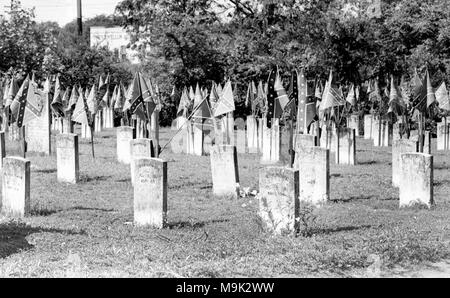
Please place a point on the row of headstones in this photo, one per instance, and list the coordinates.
(383, 133)
(282, 190)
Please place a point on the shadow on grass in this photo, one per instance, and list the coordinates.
(440, 183)
(85, 179)
(89, 209)
(441, 167)
(124, 180)
(194, 225)
(363, 198)
(369, 162)
(46, 171)
(336, 175)
(327, 231)
(13, 237)
(47, 212)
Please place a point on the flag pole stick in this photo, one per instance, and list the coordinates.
(291, 140)
(23, 143)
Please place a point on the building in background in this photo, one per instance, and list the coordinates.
(116, 39)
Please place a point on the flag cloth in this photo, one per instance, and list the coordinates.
(197, 96)
(251, 96)
(28, 103)
(214, 96)
(11, 92)
(183, 107)
(226, 102)
(442, 97)
(302, 98)
(271, 95)
(47, 85)
(282, 98)
(92, 100)
(191, 94)
(80, 113)
(396, 104)
(261, 99)
(293, 92)
(202, 114)
(423, 93)
(73, 99)
(133, 96)
(331, 97)
(57, 104)
(113, 97)
(318, 90)
(148, 101)
(351, 96)
(431, 98)
(120, 98)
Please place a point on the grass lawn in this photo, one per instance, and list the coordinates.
(86, 230)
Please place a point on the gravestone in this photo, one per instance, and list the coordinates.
(266, 145)
(275, 151)
(278, 199)
(396, 132)
(314, 174)
(376, 131)
(261, 125)
(2, 149)
(368, 127)
(67, 158)
(241, 136)
(98, 126)
(303, 140)
(38, 130)
(346, 147)
(150, 192)
(416, 180)
(252, 134)
(124, 136)
(188, 139)
(86, 132)
(398, 148)
(386, 134)
(225, 171)
(442, 132)
(353, 122)
(15, 187)
(140, 148)
(198, 139)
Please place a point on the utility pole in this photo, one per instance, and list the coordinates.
(79, 19)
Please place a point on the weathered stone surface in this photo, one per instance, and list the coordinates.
(150, 192)
(275, 151)
(399, 147)
(124, 135)
(377, 129)
(140, 148)
(442, 132)
(302, 140)
(67, 158)
(368, 126)
(278, 199)
(241, 141)
(416, 179)
(261, 125)
(386, 134)
(346, 147)
(38, 130)
(225, 171)
(15, 187)
(266, 145)
(198, 140)
(86, 132)
(314, 174)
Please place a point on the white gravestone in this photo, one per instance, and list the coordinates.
(124, 135)
(225, 171)
(399, 147)
(150, 193)
(15, 187)
(278, 199)
(416, 180)
(67, 158)
(140, 148)
(314, 174)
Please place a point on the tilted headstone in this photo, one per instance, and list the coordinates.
(67, 158)
(2, 149)
(140, 148)
(252, 134)
(278, 199)
(416, 179)
(346, 147)
(38, 130)
(399, 147)
(124, 136)
(225, 171)
(15, 187)
(150, 192)
(368, 127)
(314, 174)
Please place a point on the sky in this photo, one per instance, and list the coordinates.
(64, 11)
